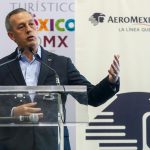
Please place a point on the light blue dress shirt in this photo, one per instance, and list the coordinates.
(30, 70)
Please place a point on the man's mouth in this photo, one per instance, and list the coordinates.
(31, 38)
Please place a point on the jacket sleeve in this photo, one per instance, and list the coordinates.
(97, 94)
(103, 91)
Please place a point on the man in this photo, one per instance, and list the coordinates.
(28, 71)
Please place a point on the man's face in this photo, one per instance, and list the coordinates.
(23, 31)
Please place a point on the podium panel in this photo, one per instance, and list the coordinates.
(51, 100)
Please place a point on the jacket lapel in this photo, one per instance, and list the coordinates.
(45, 71)
(15, 69)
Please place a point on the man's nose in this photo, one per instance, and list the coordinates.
(28, 28)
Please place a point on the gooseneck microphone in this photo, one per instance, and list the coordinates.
(32, 118)
(37, 57)
(60, 105)
(16, 58)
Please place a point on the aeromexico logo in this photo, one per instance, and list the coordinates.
(124, 124)
(97, 18)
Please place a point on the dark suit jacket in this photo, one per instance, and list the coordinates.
(43, 138)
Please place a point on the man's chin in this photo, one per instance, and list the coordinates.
(32, 44)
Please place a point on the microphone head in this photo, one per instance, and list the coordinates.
(30, 49)
(21, 50)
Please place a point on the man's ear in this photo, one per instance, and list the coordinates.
(11, 36)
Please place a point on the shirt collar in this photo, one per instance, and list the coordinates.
(23, 57)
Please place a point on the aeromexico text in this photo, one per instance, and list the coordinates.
(131, 19)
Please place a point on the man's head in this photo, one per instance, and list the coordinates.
(21, 28)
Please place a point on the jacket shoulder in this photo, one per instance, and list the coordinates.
(56, 56)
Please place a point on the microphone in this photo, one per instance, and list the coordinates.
(33, 118)
(16, 58)
(60, 106)
(37, 57)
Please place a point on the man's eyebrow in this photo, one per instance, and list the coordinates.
(31, 20)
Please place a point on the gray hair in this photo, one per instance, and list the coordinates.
(7, 20)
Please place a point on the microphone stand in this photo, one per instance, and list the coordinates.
(7, 62)
(37, 57)
(17, 57)
(60, 105)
